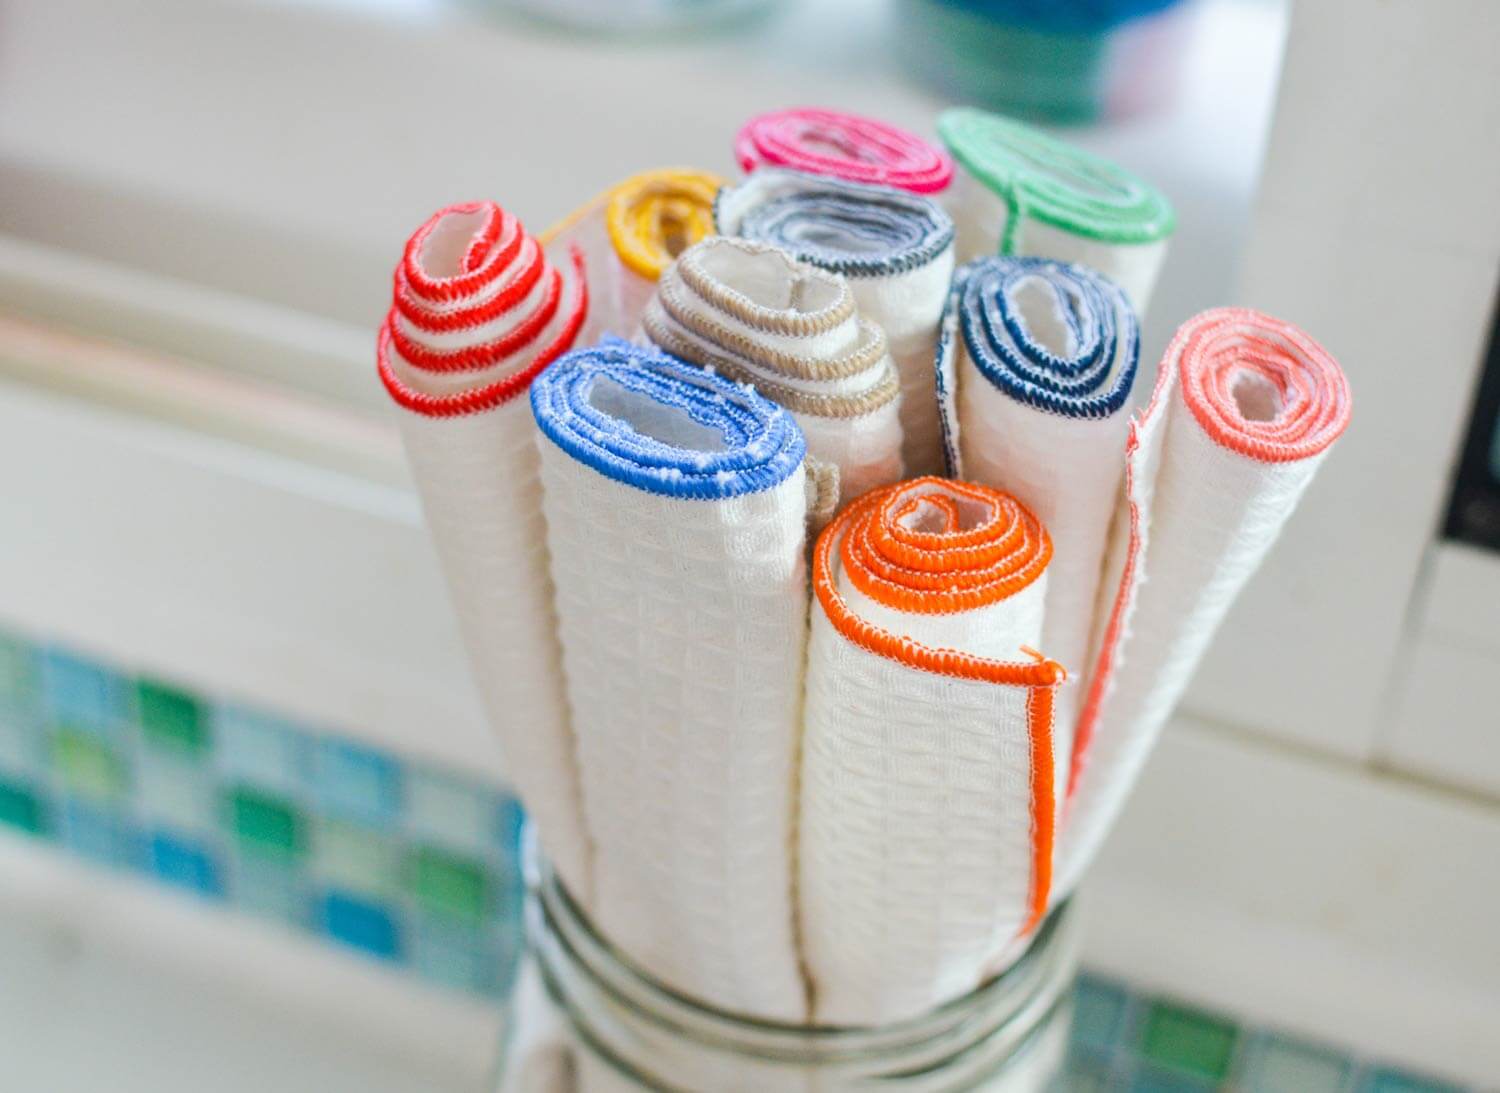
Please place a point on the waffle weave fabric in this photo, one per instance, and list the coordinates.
(1043, 356)
(675, 503)
(927, 800)
(1244, 411)
(478, 311)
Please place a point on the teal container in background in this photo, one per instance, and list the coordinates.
(1062, 62)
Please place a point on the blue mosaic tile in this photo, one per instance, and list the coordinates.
(509, 820)
(1154, 1079)
(357, 783)
(185, 863)
(1393, 1081)
(456, 958)
(360, 924)
(80, 694)
(1098, 1011)
(96, 833)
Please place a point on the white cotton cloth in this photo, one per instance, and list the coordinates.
(1044, 356)
(1018, 191)
(478, 312)
(896, 249)
(794, 331)
(628, 235)
(1244, 411)
(927, 805)
(675, 503)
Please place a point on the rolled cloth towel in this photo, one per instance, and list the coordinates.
(830, 142)
(675, 503)
(927, 804)
(794, 331)
(1036, 373)
(896, 249)
(478, 313)
(1019, 191)
(629, 234)
(1244, 410)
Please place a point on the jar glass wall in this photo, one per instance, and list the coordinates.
(627, 1032)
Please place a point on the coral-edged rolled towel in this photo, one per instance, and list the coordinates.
(676, 507)
(1043, 356)
(1019, 191)
(830, 142)
(896, 249)
(628, 235)
(1244, 410)
(927, 804)
(751, 311)
(478, 313)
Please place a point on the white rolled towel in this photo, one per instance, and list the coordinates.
(927, 801)
(628, 235)
(794, 331)
(1036, 372)
(1019, 191)
(1244, 410)
(478, 313)
(676, 505)
(896, 249)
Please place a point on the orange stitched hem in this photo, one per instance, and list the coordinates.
(1043, 802)
(904, 650)
(950, 569)
(1042, 676)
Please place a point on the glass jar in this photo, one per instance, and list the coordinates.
(626, 1032)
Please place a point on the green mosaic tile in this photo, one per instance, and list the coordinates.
(354, 858)
(264, 823)
(171, 718)
(1273, 1064)
(18, 672)
(448, 884)
(87, 766)
(1187, 1040)
(21, 808)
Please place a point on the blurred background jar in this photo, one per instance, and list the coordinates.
(1052, 61)
(636, 16)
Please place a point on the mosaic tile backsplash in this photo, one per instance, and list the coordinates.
(419, 867)
(398, 860)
